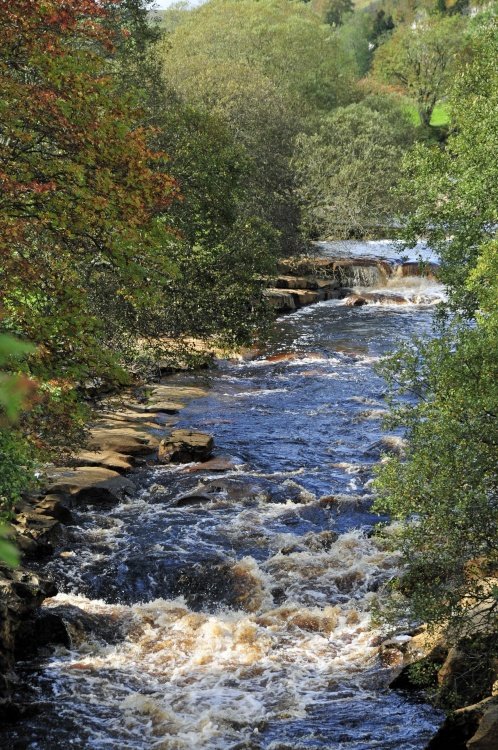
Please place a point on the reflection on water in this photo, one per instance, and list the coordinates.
(230, 610)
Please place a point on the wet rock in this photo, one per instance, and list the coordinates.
(55, 506)
(91, 484)
(128, 441)
(414, 268)
(355, 300)
(294, 282)
(46, 629)
(189, 500)
(368, 298)
(36, 534)
(392, 444)
(281, 301)
(212, 465)
(184, 446)
(21, 593)
(304, 297)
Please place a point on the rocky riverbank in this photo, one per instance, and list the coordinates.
(461, 678)
(132, 430)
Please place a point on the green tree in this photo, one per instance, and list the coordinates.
(446, 491)
(347, 171)
(15, 457)
(421, 60)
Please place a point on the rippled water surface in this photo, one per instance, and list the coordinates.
(230, 610)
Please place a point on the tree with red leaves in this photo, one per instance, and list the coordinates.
(83, 198)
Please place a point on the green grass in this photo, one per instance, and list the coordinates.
(440, 116)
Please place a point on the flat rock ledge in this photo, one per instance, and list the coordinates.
(306, 280)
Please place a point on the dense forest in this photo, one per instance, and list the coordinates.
(155, 166)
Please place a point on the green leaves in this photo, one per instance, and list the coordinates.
(446, 491)
(13, 388)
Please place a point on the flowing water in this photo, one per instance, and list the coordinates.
(231, 610)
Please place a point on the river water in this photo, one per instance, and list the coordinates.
(230, 610)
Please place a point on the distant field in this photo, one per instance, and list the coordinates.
(439, 117)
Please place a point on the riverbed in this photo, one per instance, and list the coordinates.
(231, 610)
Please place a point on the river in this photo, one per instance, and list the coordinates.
(230, 611)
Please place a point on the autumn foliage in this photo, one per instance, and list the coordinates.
(82, 193)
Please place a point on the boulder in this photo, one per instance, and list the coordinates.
(212, 465)
(91, 484)
(369, 298)
(106, 459)
(126, 440)
(486, 736)
(184, 446)
(355, 300)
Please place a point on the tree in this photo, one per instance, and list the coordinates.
(333, 12)
(15, 462)
(421, 59)
(285, 41)
(347, 171)
(455, 189)
(83, 195)
(446, 491)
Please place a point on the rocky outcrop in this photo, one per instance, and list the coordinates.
(90, 484)
(470, 728)
(463, 673)
(414, 268)
(21, 594)
(183, 446)
(127, 432)
(305, 281)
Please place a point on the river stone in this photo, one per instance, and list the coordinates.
(107, 459)
(355, 300)
(214, 465)
(91, 484)
(184, 446)
(133, 442)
